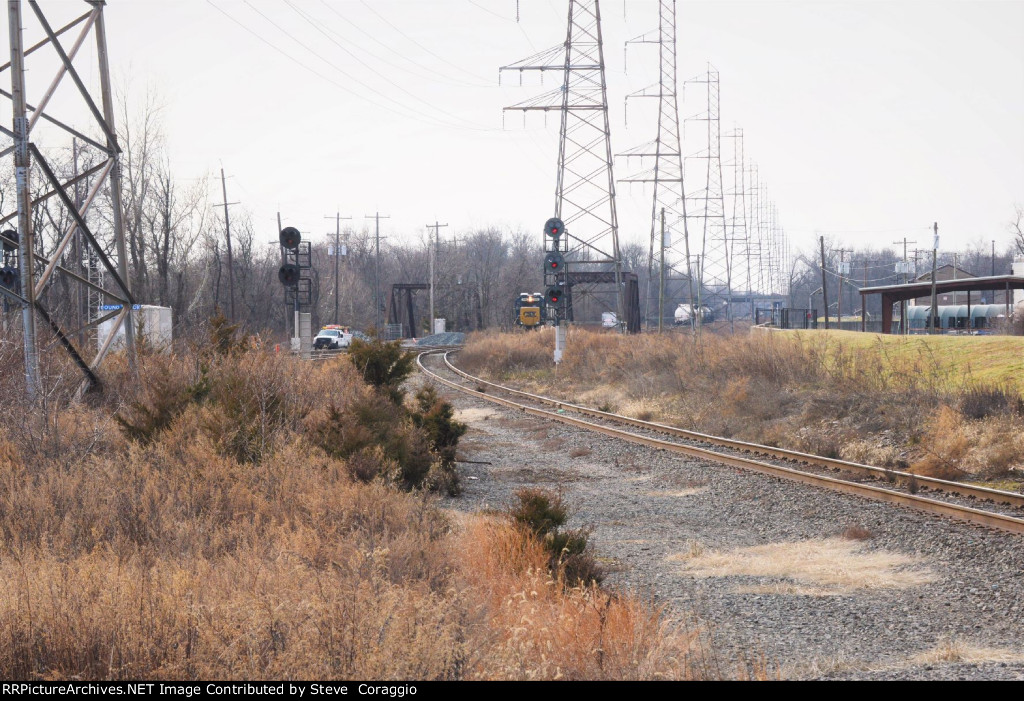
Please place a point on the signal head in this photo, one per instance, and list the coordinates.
(13, 236)
(9, 278)
(554, 262)
(553, 228)
(289, 275)
(290, 238)
(554, 295)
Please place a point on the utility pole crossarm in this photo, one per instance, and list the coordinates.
(337, 256)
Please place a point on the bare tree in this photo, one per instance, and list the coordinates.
(1017, 230)
(171, 223)
(142, 142)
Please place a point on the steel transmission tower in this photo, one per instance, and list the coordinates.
(666, 172)
(707, 206)
(585, 186)
(741, 247)
(756, 237)
(36, 271)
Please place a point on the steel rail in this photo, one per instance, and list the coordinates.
(327, 354)
(925, 504)
(970, 491)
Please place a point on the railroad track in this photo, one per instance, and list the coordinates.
(325, 354)
(843, 476)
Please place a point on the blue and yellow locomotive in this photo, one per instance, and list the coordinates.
(529, 310)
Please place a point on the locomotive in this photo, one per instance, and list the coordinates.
(529, 310)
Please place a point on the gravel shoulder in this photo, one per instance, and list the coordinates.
(956, 611)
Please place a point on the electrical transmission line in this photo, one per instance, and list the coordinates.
(666, 171)
(35, 271)
(585, 186)
(707, 208)
(739, 230)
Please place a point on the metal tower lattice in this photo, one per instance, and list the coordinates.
(756, 234)
(666, 171)
(741, 247)
(36, 270)
(585, 187)
(707, 205)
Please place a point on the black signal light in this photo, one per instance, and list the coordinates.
(554, 262)
(289, 275)
(290, 238)
(553, 228)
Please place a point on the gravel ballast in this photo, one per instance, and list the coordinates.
(648, 509)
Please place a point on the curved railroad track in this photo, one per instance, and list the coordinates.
(828, 473)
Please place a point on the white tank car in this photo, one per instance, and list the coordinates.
(684, 313)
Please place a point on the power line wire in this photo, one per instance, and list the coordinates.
(421, 46)
(317, 27)
(305, 66)
(490, 12)
(449, 79)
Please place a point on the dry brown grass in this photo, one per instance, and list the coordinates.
(857, 533)
(472, 415)
(955, 445)
(535, 629)
(954, 650)
(812, 568)
(677, 493)
(227, 546)
(829, 394)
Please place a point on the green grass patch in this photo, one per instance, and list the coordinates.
(952, 362)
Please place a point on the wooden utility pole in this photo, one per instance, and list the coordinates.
(376, 268)
(227, 234)
(824, 282)
(993, 300)
(863, 301)
(906, 274)
(933, 312)
(337, 257)
(839, 300)
(433, 253)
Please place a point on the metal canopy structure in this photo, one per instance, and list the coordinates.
(898, 293)
(78, 240)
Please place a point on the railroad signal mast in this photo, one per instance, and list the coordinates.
(555, 280)
(297, 259)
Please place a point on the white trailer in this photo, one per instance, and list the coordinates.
(152, 324)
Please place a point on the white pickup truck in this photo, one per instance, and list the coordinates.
(333, 337)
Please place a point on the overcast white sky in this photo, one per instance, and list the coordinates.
(868, 119)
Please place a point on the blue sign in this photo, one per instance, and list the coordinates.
(117, 307)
